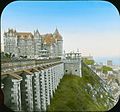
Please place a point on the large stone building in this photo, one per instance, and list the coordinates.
(26, 44)
(29, 85)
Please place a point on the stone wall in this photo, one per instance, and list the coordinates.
(72, 67)
(35, 90)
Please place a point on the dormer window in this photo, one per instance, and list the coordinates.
(25, 36)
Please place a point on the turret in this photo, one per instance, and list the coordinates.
(36, 34)
(73, 63)
(10, 41)
(57, 35)
(59, 42)
(37, 43)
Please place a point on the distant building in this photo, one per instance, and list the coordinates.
(33, 45)
(101, 63)
(109, 62)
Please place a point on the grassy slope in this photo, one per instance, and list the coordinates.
(73, 94)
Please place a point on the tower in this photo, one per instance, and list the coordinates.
(10, 42)
(37, 43)
(59, 42)
(73, 64)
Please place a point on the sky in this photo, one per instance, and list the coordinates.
(93, 27)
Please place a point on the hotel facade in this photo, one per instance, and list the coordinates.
(26, 44)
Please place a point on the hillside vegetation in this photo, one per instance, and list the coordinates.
(105, 69)
(87, 93)
(88, 62)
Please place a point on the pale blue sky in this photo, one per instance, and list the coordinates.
(93, 27)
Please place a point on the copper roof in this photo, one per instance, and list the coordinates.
(24, 35)
(48, 39)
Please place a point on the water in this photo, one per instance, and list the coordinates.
(115, 60)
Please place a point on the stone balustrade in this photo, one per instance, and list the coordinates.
(19, 64)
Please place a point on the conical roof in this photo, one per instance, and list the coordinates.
(57, 35)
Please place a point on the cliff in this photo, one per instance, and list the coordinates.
(87, 93)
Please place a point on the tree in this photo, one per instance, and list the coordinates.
(88, 62)
(105, 69)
